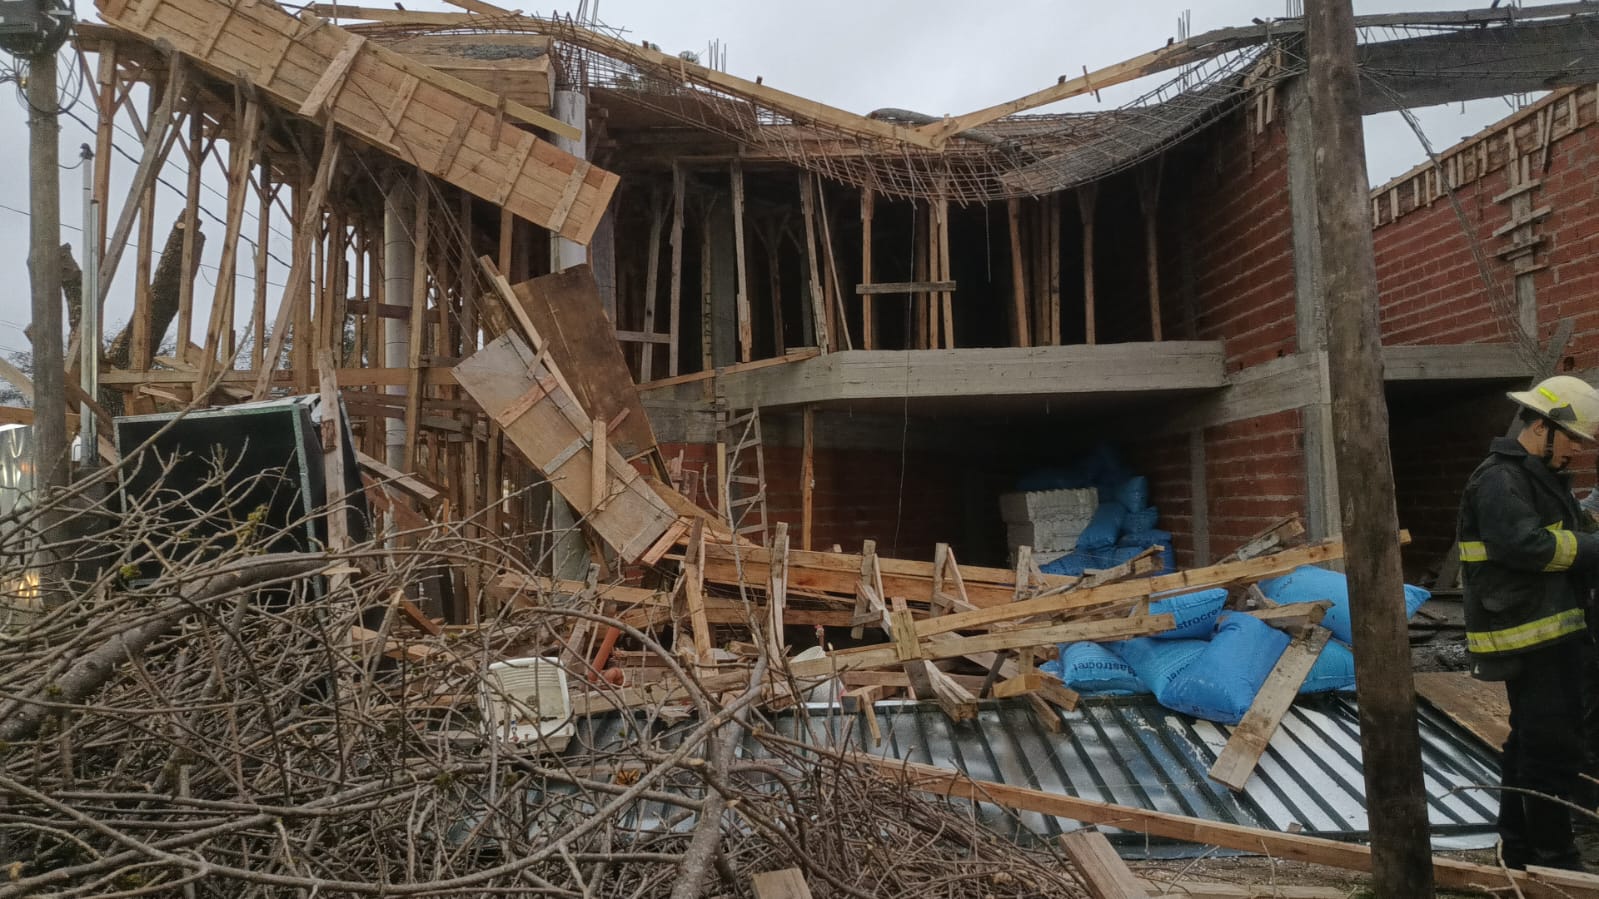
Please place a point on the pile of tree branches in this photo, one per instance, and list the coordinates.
(186, 713)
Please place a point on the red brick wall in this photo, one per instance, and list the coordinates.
(1254, 475)
(1431, 285)
(1234, 206)
(1165, 463)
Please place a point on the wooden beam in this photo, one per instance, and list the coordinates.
(652, 279)
(1099, 867)
(1249, 740)
(1149, 203)
(218, 332)
(1086, 196)
(1449, 873)
(300, 266)
(1020, 335)
(808, 479)
(693, 588)
(159, 135)
(746, 339)
(904, 287)
(868, 314)
(819, 313)
(420, 227)
(777, 593)
(675, 302)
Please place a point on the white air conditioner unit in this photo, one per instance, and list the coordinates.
(525, 703)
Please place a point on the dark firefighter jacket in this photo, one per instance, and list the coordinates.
(1524, 554)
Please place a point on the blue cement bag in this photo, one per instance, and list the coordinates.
(1309, 584)
(1139, 521)
(1334, 670)
(1195, 614)
(1093, 670)
(1220, 683)
(1159, 662)
(1104, 528)
(1133, 493)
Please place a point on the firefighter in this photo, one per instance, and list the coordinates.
(1526, 560)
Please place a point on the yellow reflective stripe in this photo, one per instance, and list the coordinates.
(1473, 551)
(1524, 635)
(1565, 548)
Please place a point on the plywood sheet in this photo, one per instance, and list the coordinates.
(446, 127)
(1479, 706)
(517, 390)
(569, 315)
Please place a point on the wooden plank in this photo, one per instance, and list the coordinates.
(945, 646)
(693, 587)
(1192, 889)
(332, 78)
(746, 340)
(652, 279)
(796, 356)
(868, 314)
(777, 593)
(808, 478)
(372, 81)
(496, 377)
(1086, 196)
(1099, 868)
(788, 883)
(904, 287)
(819, 311)
(1478, 706)
(599, 478)
(1448, 872)
(420, 228)
(1250, 738)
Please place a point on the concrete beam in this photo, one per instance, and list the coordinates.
(975, 373)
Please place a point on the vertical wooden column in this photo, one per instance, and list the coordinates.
(772, 236)
(263, 234)
(419, 300)
(868, 314)
(819, 308)
(195, 150)
(141, 268)
(1020, 333)
(376, 296)
(1054, 211)
(746, 340)
(1402, 863)
(921, 268)
(307, 240)
(1039, 225)
(1086, 195)
(808, 479)
(220, 327)
(108, 99)
(1149, 201)
(837, 316)
(652, 279)
(675, 301)
(940, 261)
(707, 291)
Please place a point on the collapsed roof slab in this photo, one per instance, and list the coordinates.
(444, 126)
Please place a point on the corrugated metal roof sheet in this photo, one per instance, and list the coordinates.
(1134, 752)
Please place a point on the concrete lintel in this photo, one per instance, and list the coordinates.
(997, 372)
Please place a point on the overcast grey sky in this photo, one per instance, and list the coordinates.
(935, 56)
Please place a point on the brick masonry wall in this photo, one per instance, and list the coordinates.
(1234, 209)
(1254, 475)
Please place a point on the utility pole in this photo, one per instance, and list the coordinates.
(1396, 802)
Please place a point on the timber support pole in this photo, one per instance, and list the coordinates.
(50, 462)
(1390, 744)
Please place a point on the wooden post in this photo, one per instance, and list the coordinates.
(808, 480)
(191, 231)
(140, 357)
(222, 301)
(868, 318)
(1054, 270)
(1396, 797)
(819, 308)
(946, 299)
(1149, 201)
(746, 340)
(263, 233)
(419, 300)
(1085, 209)
(777, 594)
(835, 309)
(652, 281)
(674, 311)
(1018, 275)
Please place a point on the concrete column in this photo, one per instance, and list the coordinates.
(399, 217)
(570, 557)
(1322, 516)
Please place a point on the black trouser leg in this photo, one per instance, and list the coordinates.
(1543, 756)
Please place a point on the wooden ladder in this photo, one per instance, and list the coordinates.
(741, 472)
